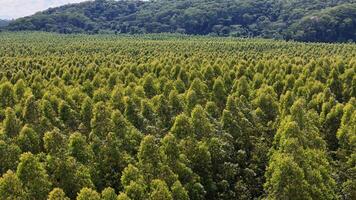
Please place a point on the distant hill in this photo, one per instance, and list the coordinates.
(304, 20)
(4, 22)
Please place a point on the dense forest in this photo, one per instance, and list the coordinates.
(303, 20)
(162, 117)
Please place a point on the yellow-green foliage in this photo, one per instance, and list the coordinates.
(176, 117)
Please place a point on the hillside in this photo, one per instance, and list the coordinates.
(304, 20)
(4, 22)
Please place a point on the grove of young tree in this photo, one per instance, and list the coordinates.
(162, 117)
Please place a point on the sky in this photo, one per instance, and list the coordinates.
(12, 9)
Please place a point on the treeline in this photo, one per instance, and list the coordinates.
(161, 118)
(337, 23)
(304, 20)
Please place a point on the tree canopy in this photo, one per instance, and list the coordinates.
(172, 117)
(304, 20)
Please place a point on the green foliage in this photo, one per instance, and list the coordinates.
(176, 117)
(130, 174)
(179, 192)
(123, 196)
(101, 123)
(170, 149)
(31, 112)
(7, 95)
(316, 20)
(67, 115)
(299, 148)
(182, 127)
(132, 113)
(266, 102)
(10, 155)
(160, 191)
(346, 152)
(330, 24)
(68, 174)
(108, 194)
(88, 194)
(78, 148)
(53, 142)
(200, 122)
(148, 86)
(11, 187)
(86, 112)
(57, 194)
(135, 191)
(149, 157)
(33, 176)
(20, 89)
(28, 140)
(219, 93)
(11, 125)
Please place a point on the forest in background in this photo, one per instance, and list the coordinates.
(4, 23)
(301, 20)
(164, 117)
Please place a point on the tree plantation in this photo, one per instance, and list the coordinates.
(171, 117)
